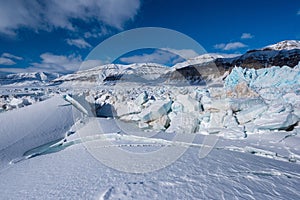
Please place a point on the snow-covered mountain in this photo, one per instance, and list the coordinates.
(284, 45)
(208, 66)
(138, 72)
(283, 53)
(28, 79)
(198, 69)
(203, 67)
(209, 57)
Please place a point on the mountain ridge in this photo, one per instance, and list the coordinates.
(197, 69)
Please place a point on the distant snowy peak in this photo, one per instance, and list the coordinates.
(40, 76)
(27, 79)
(283, 53)
(284, 45)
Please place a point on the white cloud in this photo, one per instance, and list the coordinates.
(247, 36)
(230, 46)
(162, 56)
(46, 15)
(298, 13)
(92, 35)
(220, 46)
(8, 59)
(88, 64)
(80, 43)
(8, 55)
(158, 56)
(184, 53)
(58, 64)
(97, 32)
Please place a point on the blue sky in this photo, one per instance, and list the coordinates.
(57, 35)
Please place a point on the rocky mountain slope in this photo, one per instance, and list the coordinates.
(285, 53)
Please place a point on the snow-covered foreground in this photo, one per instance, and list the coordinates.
(259, 166)
(240, 141)
(31, 126)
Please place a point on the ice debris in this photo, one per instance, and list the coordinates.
(251, 100)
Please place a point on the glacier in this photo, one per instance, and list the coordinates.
(274, 77)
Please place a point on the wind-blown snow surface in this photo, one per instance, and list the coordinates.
(43, 156)
(244, 169)
(32, 126)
